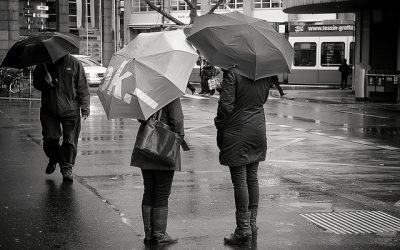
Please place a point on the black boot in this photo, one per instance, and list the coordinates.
(147, 213)
(253, 224)
(242, 234)
(160, 218)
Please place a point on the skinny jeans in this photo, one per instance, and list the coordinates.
(157, 187)
(245, 186)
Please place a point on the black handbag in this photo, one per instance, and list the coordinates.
(159, 142)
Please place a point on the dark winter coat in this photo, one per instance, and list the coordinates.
(240, 121)
(171, 115)
(344, 68)
(70, 90)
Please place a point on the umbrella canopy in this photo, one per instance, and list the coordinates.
(46, 47)
(249, 46)
(150, 72)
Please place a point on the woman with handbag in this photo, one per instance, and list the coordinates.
(241, 138)
(157, 179)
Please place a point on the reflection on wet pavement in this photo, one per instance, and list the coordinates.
(320, 159)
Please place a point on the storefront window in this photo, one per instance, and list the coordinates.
(177, 5)
(142, 6)
(305, 54)
(267, 4)
(332, 53)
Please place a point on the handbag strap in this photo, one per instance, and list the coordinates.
(158, 115)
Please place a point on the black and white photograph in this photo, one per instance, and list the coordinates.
(199, 124)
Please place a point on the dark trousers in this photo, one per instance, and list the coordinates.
(343, 81)
(204, 85)
(278, 87)
(191, 87)
(157, 187)
(53, 127)
(245, 186)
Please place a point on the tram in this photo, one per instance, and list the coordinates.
(319, 51)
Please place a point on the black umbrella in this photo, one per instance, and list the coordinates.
(46, 47)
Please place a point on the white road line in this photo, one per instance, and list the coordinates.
(388, 147)
(332, 164)
(353, 113)
(283, 126)
(319, 133)
(363, 142)
(300, 129)
(338, 137)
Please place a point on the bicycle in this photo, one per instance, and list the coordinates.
(11, 81)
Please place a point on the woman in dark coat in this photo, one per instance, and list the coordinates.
(157, 180)
(241, 138)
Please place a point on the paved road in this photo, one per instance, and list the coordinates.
(328, 156)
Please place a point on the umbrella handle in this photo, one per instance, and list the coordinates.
(48, 77)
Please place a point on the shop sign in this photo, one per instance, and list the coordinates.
(41, 15)
(42, 7)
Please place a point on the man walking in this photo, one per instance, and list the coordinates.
(344, 68)
(64, 98)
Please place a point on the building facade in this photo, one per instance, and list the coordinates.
(93, 21)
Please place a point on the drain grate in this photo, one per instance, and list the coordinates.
(355, 222)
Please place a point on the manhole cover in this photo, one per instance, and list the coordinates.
(355, 222)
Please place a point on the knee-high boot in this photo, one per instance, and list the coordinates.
(242, 235)
(160, 218)
(147, 214)
(253, 224)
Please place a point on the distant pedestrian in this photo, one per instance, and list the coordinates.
(207, 71)
(65, 98)
(241, 139)
(275, 82)
(345, 69)
(191, 88)
(157, 180)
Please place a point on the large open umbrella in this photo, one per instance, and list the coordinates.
(151, 71)
(46, 47)
(249, 46)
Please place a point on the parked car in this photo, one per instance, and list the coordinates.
(94, 71)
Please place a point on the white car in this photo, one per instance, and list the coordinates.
(94, 71)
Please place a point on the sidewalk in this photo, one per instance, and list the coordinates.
(38, 211)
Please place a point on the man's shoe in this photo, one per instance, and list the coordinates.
(283, 94)
(67, 174)
(51, 167)
(193, 92)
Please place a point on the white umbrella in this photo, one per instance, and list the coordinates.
(151, 71)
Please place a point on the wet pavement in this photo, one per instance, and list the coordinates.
(327, 154)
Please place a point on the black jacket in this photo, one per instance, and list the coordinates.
(70, 90)
(240, 121)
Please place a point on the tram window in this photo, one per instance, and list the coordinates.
(305, 54)
(332, 53)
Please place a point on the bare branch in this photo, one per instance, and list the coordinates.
(217, 5)
(164, 13)
(191, 4)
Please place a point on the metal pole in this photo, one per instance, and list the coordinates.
(101, 34)
(30, 81)
(87, 27)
